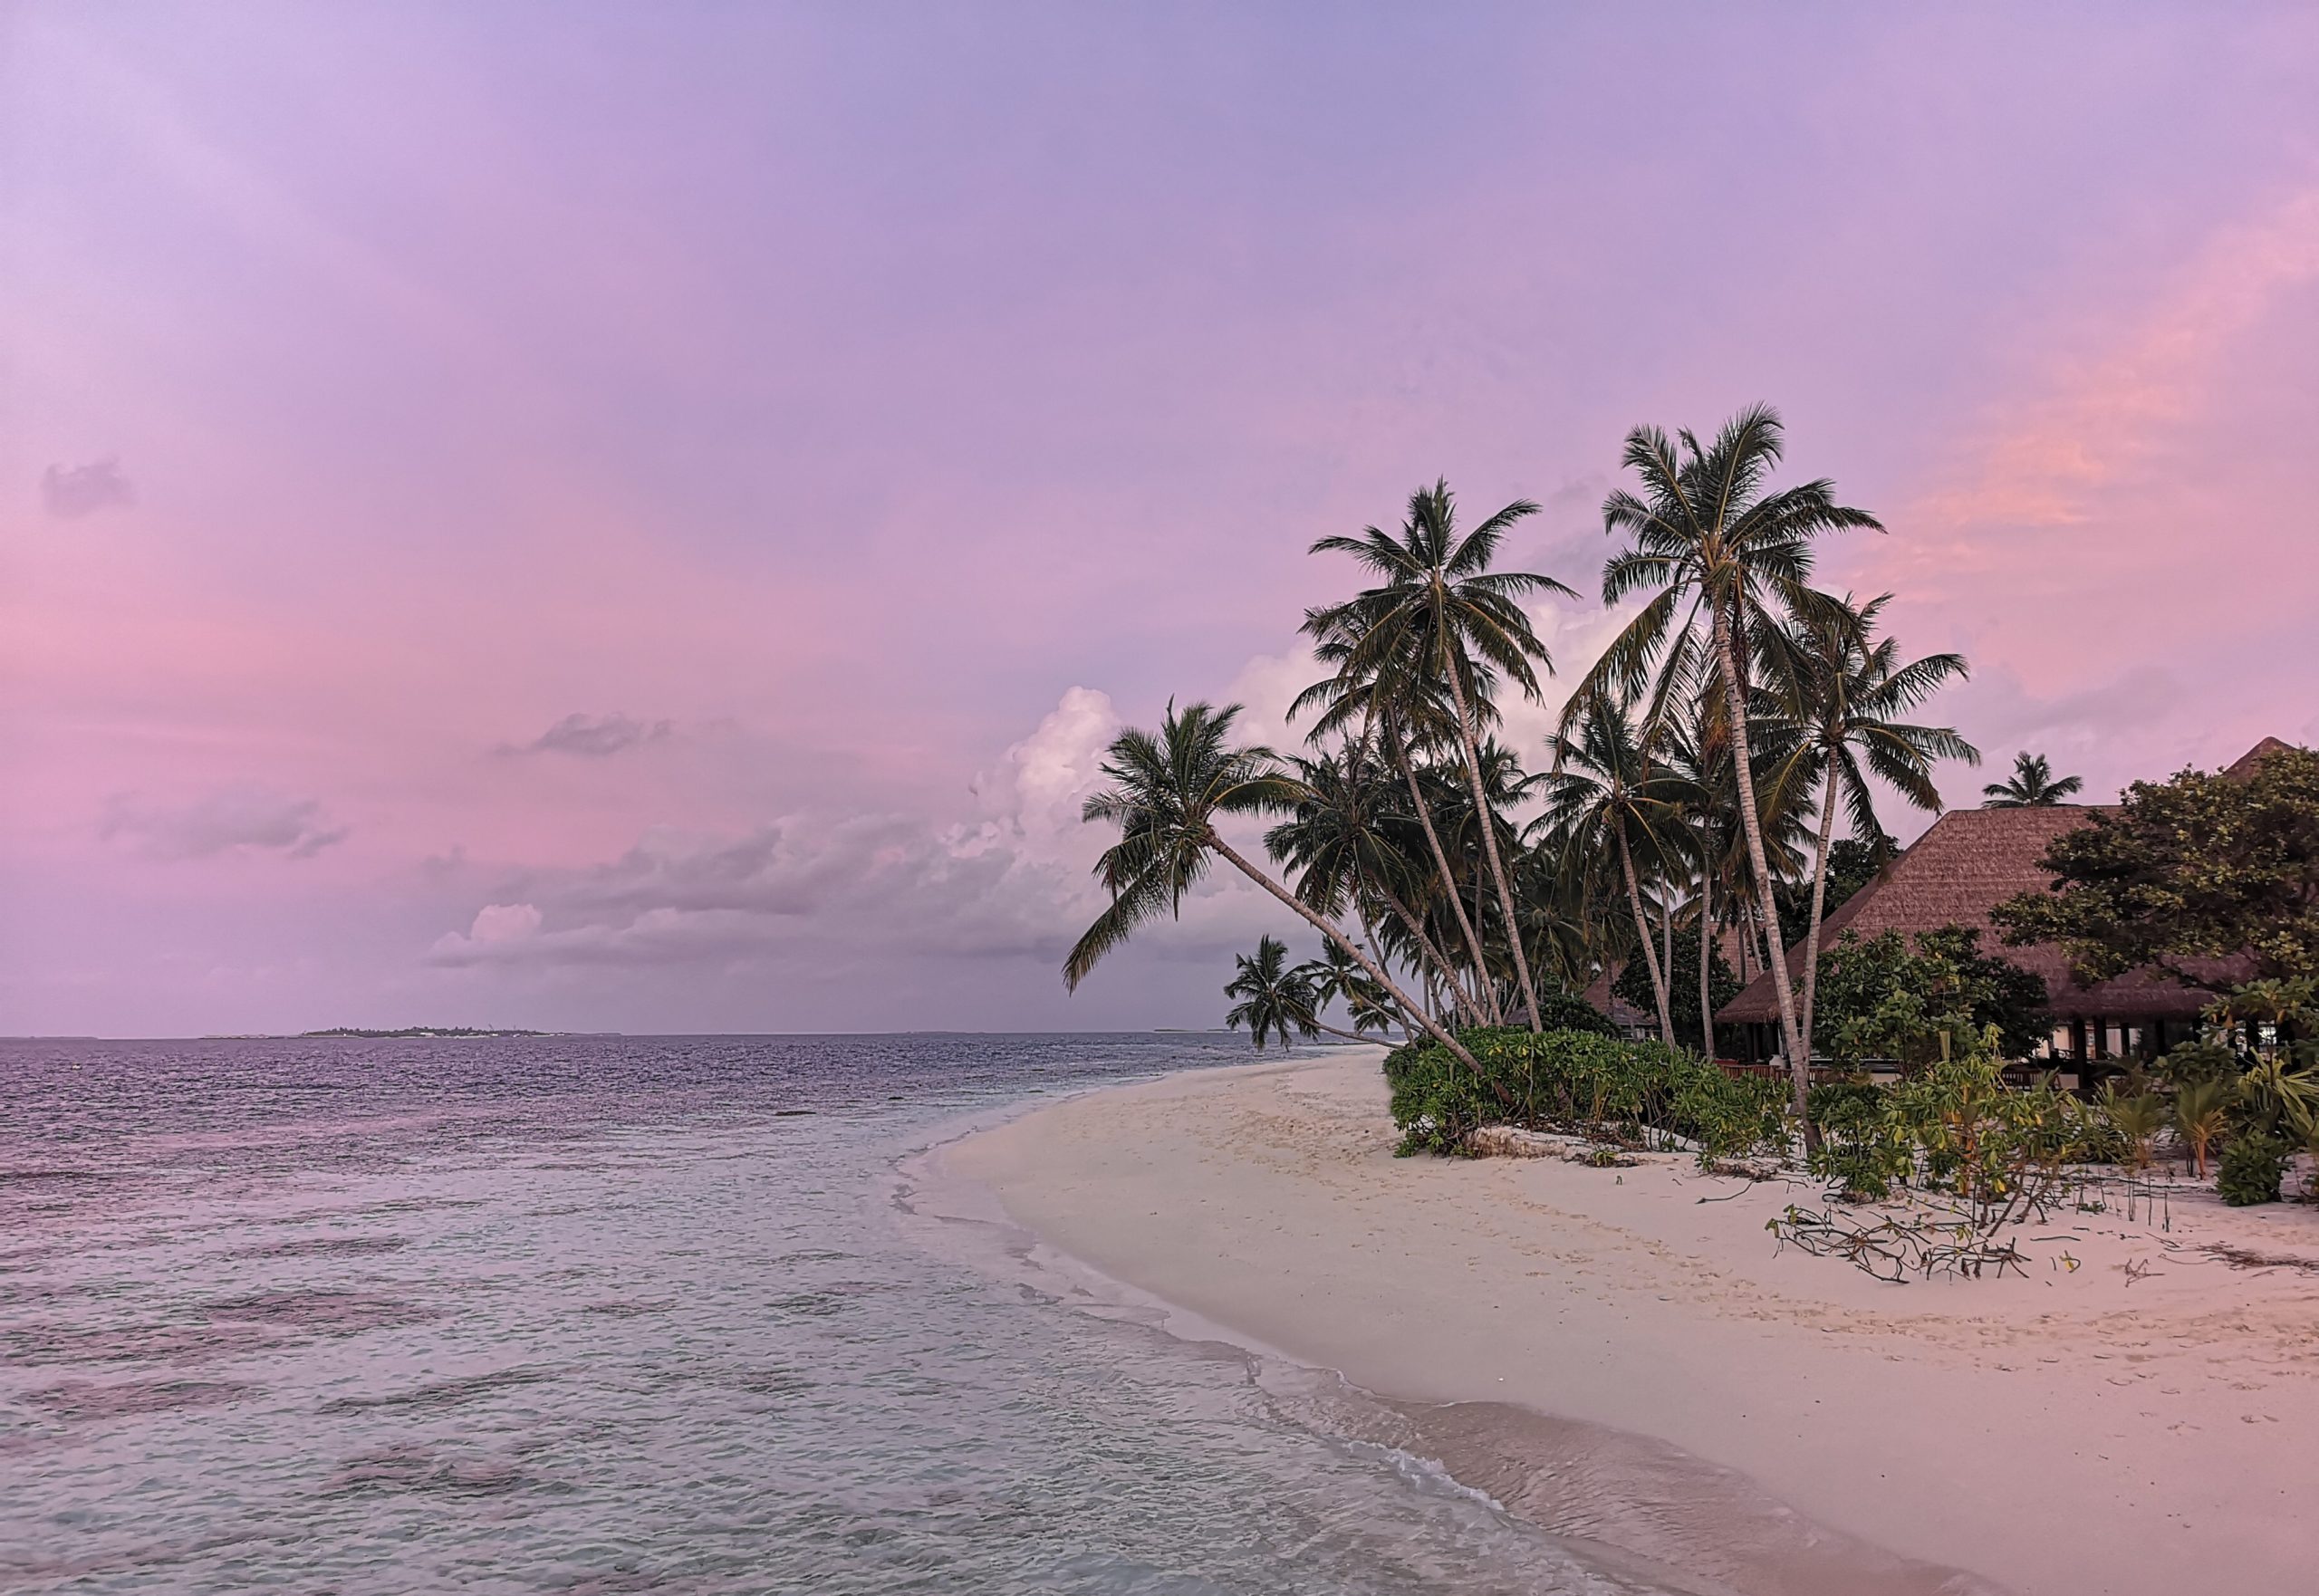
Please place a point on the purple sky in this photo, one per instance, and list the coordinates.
(642, 517)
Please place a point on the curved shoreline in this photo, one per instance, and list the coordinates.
(1620, 1356)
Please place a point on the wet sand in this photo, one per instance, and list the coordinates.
(1624, 1357)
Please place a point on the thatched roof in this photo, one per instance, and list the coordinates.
(1970, 860)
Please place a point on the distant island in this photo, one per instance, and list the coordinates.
(368, 1036)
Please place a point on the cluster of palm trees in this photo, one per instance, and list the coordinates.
(1695, 773)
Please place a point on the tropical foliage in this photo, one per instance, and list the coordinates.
(2205, 874)
(1464, 880)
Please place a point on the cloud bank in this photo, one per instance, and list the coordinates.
(232, 820)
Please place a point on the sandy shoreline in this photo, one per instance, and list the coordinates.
(2081, 1433)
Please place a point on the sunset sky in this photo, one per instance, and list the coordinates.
(643, 517)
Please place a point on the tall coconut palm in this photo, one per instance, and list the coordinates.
(1842, 701)
(1168, 791)
(1607, 796)
(1274, 999)
(1439, 608)
(1705, 533)
(2032, 786)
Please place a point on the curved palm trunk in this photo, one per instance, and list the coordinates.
(1735, 695)
(1488, 819)
(1449, 884)
(1642, 934)
(1707, 954)
(1433, 1027)
(1440, 960)
(1819, 901)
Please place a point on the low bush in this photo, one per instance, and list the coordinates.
(1639, 1092)
(1864, 1149)
(2251, 1170)
(1566, 1011)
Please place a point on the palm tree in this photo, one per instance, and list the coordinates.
(1168, 791)
(1705, 533)
(1273, 998)
(1841, 700)
(1339, 839)
(1395, 704)
(1333, 975)
(1604, 795)
(2031, 787)
(1441, 611)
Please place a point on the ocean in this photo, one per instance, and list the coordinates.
(600, 1314)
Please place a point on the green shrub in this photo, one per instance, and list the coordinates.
(1638, 1092)
(1566, 1011)
(1864, 1149)
(2251, 1171)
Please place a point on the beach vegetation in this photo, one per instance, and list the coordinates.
(2201, 1115)
(2212, 876)
(1623, 1093)
(2252, 1170)
(1880, 999)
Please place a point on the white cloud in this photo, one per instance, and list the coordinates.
(232, 820)
(1011, 881)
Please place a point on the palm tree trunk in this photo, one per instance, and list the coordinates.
(1819, 899)
(1434, 955)
(1734, 694)
(1466, 734)
(1449, 881)
(1642, 931)
(1707, 953)
(1374, 971)
(1667, 940)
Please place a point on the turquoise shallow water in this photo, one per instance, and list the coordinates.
(600, 1315)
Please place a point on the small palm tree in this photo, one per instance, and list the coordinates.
(1168, 791)
(2137, 1118)
(1441, 611)
(2032, 786)
(1335, 976)
(2201, 1110)
(1274, 999)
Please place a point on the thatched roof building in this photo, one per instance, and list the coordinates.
(1966, 863)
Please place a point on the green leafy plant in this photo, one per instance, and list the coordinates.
(2133, 1119)
(2272, 1092)
(1863, 1148)
(2201, 1113)
(2252, 1170)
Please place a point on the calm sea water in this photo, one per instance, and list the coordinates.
(601, 1314)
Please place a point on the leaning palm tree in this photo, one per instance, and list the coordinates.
(1606, 795)
(1841, 702)
(2032, 786)
(1274, 999)
(1168, 791)
(1706, 533)
(1440, 614)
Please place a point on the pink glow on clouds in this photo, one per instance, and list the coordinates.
(645, 518)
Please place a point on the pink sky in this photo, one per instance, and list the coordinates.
(642, 517)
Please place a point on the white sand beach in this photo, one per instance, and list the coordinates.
(2138, 1424)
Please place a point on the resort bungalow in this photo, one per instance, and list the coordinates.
(1969, 862)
